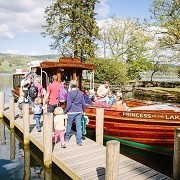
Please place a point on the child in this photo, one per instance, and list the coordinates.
(87, 98)
(20, 102)
(111, 98)
(37, 109)
(60, 121)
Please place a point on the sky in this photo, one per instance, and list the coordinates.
(21, 22)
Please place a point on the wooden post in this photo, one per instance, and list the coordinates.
(12, 144)
(2, 133)
(176, 158)
(12, 111)
(99, 125)
(112, 160)
(47, 173)
(47, 139)
(2, 96)
(26, 123)
(27, 171)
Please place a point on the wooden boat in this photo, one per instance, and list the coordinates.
(152, 125)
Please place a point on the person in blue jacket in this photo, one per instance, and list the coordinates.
(74, 109)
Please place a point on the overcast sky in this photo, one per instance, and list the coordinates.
(21, 21)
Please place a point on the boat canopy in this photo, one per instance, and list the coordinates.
(67, 62)
(67, 69)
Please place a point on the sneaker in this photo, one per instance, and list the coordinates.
(66, 140)
(83, 138)
(80, 144)
(39, 130)
(63, 146)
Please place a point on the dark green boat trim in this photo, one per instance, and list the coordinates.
(141, 146)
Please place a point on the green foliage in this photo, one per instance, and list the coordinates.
(11, 62)
(72, 25)
(110, 70)
(125, 41)
(166, 14)
(137, 66)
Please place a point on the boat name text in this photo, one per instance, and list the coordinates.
(137, 115)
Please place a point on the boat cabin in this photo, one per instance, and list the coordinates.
(66, 69)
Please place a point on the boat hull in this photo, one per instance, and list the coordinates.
(151, 128)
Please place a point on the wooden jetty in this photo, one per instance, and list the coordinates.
(89, 161)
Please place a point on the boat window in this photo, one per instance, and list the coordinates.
(17, 80)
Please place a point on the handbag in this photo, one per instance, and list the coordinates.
(84, 122)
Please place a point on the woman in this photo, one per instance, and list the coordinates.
(74, 109)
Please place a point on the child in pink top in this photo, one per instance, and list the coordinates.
(37, 83)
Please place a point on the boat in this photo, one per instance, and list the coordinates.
(143, 123)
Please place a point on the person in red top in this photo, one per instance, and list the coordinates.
(52, 94)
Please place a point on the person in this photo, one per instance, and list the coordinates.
(25, 83)
(20, 102)
(74, 109)
(51, 96)
(37, 83)
(32, 94)
(92, 95)
(31, 76)
(37, 110)
(62, 95)
(87, 99)
(119, 103)
(60, 121)
(102, 92)
(111, 98)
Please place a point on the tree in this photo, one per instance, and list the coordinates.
(110, 70)
(166, 15)
(125, 41)
(72, 25)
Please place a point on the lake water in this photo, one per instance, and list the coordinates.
(19, 162)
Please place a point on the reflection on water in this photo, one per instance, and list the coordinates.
(11, 164)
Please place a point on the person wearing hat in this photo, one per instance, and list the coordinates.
(60, 121)
(75, 108)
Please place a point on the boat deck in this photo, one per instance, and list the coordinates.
(89, 160)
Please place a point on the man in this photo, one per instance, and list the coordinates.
(103, 91)
(52, 94)
(32, 75)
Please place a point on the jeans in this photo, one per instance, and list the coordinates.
(30, 101)
(77, 118)
(37, 117)
(51, 108)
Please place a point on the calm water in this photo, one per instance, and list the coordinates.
(19, 162)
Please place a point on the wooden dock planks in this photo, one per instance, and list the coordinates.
(89, 160)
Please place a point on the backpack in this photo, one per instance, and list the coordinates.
(33, 92)
(62, 95)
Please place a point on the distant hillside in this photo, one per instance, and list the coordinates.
(10, 62)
